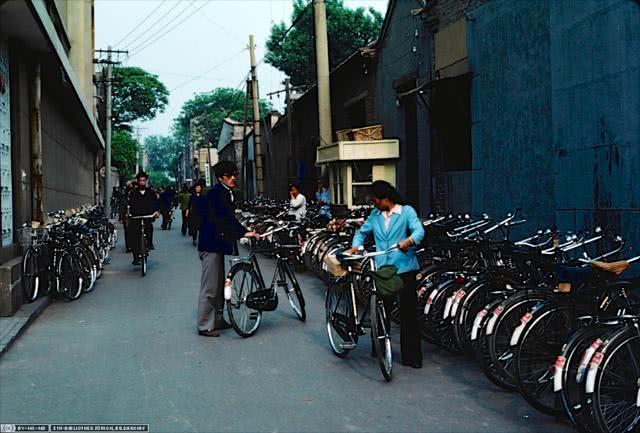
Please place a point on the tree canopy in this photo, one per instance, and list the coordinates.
(208, 111)
(163, 157)
(294, 52)
(137, 95)
(123, 153)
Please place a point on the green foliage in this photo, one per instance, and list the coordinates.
(348, 30)
(163, 156)
(123, 153)
(158, 179)
(208, 111)
(137, 95)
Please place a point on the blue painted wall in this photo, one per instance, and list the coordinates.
(556, 111)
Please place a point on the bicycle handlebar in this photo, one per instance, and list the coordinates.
(142, 217)
(373, 254)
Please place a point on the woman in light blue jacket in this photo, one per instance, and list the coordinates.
(393, 223)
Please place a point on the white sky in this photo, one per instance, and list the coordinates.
(207, 50)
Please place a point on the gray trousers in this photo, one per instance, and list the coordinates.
(211, 297)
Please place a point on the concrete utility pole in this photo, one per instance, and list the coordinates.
(322, 63)
(107, 154)
(257, 139)
(292, 156)
(245, 142)
(36, 145)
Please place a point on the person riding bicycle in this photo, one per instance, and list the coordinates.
(219, 233)
(392, 223)
(142, 201)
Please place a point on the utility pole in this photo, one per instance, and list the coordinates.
(257, 139)
(36, 144)
(107, 154)
(245, 143)
(322, 63)
(292, 156)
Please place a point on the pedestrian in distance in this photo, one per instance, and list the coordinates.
(142, 201)
(196, 210)
(166, 202)
(183, 201)
(392, 223)
(124, 213)
(297, 202)
(219, 234)
(323, 198)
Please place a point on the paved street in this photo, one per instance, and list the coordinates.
(129, 353)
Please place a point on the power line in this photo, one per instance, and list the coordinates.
(145, 31)
(209, 70)
(136, 27)
(162, 27)
(169, 30)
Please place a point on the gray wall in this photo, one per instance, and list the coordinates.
(398, 63)
(556, 114)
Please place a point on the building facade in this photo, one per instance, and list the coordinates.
(47, 107)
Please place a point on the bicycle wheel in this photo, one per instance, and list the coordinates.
(380, 335)
(535, 358)
(143, 256)
(294, 293)
(243, 281)
(69, 275)
(30, 275)
(616, 399)
(340, 318)
(86, 267)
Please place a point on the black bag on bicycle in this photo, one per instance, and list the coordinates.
(262, 300)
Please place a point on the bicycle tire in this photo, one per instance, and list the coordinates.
(381, 337)
(143, 256)
(239, 313)
(340, 319)
(30, 275)
(294, 294)
(69, 276)
(627, 344)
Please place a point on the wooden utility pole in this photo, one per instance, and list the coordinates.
(257, 139)
(322, 64)
(245, 142)
(36, 145)
(107, 153)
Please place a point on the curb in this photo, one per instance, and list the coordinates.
(19, 322)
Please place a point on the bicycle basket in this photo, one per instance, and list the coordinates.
(333, 266)
(262, 300)
(30, 236)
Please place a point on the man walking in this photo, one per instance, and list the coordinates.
(219, 232)
(184, 206)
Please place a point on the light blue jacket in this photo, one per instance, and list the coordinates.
(401, 226)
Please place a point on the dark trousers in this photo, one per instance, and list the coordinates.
(135, 243)
(127, 236)
(410, 343)
(165, 217)
(195, 228)
(185, 222)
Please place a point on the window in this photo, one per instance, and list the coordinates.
(361, 180)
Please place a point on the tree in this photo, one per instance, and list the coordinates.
(123, 153)
(163, 156)
(294, 52)
(208, 111)
(137, 95)
(158, 179)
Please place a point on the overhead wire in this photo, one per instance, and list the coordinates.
(209, 70)
(169, 30)
(137, 26)
(146, 30)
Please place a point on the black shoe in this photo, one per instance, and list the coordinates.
(211, 333)
(412, 364)
(222, 326)
(152, 247)
(127, 250)
(135, 262)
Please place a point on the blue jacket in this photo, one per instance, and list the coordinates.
(220, 230)
(401, 226)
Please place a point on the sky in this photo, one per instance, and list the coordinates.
(196, 45)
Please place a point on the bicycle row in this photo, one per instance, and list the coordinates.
(66, 256)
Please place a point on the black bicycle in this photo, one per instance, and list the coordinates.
(144, 250)
(247, 296)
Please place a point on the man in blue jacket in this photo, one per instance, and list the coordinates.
(219, 232)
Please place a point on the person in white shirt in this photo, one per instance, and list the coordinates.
(298, 203)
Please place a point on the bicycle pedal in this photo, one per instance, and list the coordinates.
(348, 346)
(253, 316)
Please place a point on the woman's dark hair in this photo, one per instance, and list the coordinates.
(294, 185)
(225, 168)
(382, 189)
